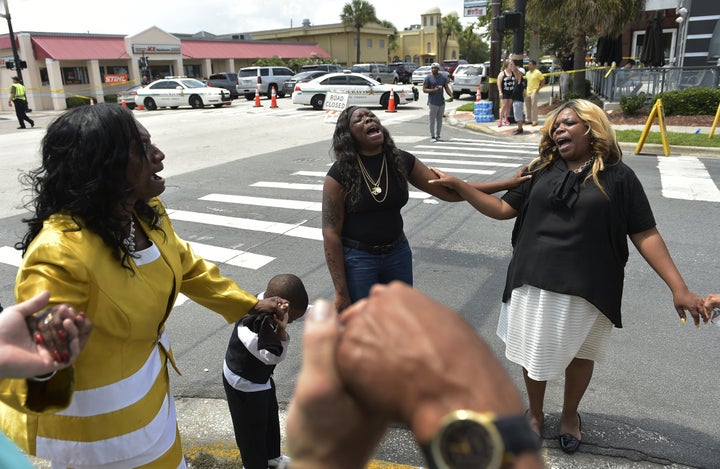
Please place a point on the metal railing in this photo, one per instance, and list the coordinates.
(620, 82)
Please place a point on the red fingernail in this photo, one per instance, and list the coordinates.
(65, 357)
(56, 356)
(81, 315)
(39, 338)
(61, 335)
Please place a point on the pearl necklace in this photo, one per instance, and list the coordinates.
(129, 241)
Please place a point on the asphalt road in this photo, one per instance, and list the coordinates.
(652, 404)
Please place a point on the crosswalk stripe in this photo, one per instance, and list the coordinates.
(319, 187)
(685, 177)
(286, 229)
(264, 202)
(470, 155)
(10, 256)
(319, 174)
(472, 163)
(467, 171)
(234, 257)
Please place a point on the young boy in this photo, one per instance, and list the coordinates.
(257, 344)
(518, 98)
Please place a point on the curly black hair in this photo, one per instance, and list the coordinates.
(83, 174)
(345, 153)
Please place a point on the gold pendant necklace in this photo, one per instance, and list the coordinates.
(374, 185)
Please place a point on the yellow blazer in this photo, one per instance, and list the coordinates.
(116, 395)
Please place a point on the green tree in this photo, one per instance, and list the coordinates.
(357, 14)
(472, 47)
(449, 26)
(585, 18)
(392, 40)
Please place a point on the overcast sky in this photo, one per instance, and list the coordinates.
(129, 17)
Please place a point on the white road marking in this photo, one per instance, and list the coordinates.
(685, 177)
(264, 202)
(319, 187)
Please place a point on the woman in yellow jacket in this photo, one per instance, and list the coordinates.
(101, 241)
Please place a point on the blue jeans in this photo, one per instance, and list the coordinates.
(364, 269)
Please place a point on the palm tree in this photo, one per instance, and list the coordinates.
(583, 17)
(392, 42)
(357, 14)
(449, 26)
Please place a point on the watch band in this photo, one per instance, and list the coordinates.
(517, 435)
(515, 432)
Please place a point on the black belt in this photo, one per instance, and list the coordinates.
(372, 249)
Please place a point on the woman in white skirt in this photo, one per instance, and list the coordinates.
(565, 279)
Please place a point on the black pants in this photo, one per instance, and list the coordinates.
(256, 424)
(20, 112)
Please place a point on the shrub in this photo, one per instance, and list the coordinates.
(633, 104)
(76, 101)
(690, 101)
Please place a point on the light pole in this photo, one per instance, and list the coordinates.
(18, 68)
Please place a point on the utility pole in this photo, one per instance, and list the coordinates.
(519, 36)
(495, 52)
(18, 68)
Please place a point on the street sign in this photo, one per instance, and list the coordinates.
(474, 8)
(334, 104)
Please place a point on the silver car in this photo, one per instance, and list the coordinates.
(378, 72)
(468, 79)
(418, 76)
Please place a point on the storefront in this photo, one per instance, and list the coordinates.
(93, 65)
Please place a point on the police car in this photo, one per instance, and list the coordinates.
(174, 92)
(361, 90)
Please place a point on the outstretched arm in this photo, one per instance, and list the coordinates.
(333, 218)
(488, 205)
(653, 249)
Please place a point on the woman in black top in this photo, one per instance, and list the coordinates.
(362, 196)
(564, 283)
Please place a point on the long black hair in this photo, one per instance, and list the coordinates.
(346, 155)
(83, 174)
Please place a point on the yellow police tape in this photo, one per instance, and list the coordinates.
(563, 72)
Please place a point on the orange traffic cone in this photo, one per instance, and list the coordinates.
(478, 95)
(273, 98)
(123, 102)
(140, 107)
(257, 97)
(391, 102)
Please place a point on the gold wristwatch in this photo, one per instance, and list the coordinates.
(474, 440)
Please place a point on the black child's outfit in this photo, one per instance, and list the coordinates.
(253, 351)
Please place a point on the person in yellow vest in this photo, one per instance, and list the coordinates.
(535, 81)
(19, 99)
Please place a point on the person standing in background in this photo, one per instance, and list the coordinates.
(535, 80)
(18, 98)
(434, 84)
(506, 84)
(567, 63)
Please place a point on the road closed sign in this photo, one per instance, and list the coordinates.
(334, 104)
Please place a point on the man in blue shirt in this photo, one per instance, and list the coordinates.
(434, 85)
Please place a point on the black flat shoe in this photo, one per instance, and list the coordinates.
(568, 442)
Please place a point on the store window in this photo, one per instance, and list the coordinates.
(429, 48)
(368, 44)
(381, 43)
(192, 71)
(44, 80)
(75, 75)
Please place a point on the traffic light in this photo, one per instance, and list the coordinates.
(10, 65)
(513, 20)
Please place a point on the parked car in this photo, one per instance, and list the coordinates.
(328, 68)
(418, 76)
(301, 77)
(128, 96)
(361, 90)
(467, 80)
(451, 64)
(227, 80)
(267, 77)
(174, 92)
(378, 72)
(404, 70)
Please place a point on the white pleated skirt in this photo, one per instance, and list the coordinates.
(543, 331)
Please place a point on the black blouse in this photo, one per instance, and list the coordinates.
(373, 222)
(575, 241)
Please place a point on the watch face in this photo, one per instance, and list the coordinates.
(465, 444)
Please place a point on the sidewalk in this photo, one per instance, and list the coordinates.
(531, 133)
